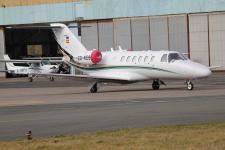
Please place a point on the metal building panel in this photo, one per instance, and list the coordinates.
(103, 9)
(98, 9)
(105, 31)
(89, 35)
(38, 14)
(159, 33)
(198, 38)
(122, 33)
(10, 3)
(178, 37)
(217, 40)
(140, 33)
(2, 51)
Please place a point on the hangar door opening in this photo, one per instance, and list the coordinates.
(30, 43)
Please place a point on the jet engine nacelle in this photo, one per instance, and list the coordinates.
(91, 58)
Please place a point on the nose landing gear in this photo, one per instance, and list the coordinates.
(190, 85)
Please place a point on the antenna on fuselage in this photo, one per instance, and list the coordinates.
(120, 48)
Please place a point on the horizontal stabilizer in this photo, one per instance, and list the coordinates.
(43, 27)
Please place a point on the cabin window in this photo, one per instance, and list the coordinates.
(122, 58)
(134, 59)
(128, 58)
(164, 58)
(152, 58)
(140, 58)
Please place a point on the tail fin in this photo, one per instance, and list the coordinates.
(67, 40)
(9, 65)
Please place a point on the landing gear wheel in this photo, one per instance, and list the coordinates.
(94, 88)
(30, 79)
(51, 79)
(155, 85)
(190, 85)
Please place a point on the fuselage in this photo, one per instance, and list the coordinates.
(31, 70)
(143, 65)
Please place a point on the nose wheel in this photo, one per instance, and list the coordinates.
(190, 85)
(155, 85)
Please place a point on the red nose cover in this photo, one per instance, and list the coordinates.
(96, 56)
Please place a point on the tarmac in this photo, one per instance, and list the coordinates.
(66, 107)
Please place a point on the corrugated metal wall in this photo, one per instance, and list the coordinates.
(202, 36)
(122, 33)
(198, 36)
(90, 35)
(178, 36)
(106, 35)
(2, 51)
(144, 33)
(159, 33)
(140, 33)
(217, 39)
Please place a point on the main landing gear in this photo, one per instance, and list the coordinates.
(190, 85)
(51, 79)
(94, 88)
(30, 79)
(155, 85)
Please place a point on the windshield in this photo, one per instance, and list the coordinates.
(45, 62)
(35, 65)
(176, 56)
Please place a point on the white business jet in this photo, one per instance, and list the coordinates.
(35, 67)
(122, 66)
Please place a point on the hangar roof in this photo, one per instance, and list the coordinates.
(42, 11)
(10, 3)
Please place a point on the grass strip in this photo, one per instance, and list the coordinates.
(208, 136)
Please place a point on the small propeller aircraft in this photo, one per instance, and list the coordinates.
(34, 67)
(123, 66)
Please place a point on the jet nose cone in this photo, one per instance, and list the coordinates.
(203, 72)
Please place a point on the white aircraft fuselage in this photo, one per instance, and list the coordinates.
(141, 65)
(32, 70)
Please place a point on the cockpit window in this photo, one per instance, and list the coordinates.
(176, 56)
(35, 65)
(164, 58)
(45, 62)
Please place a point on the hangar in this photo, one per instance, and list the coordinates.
(193, 27)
